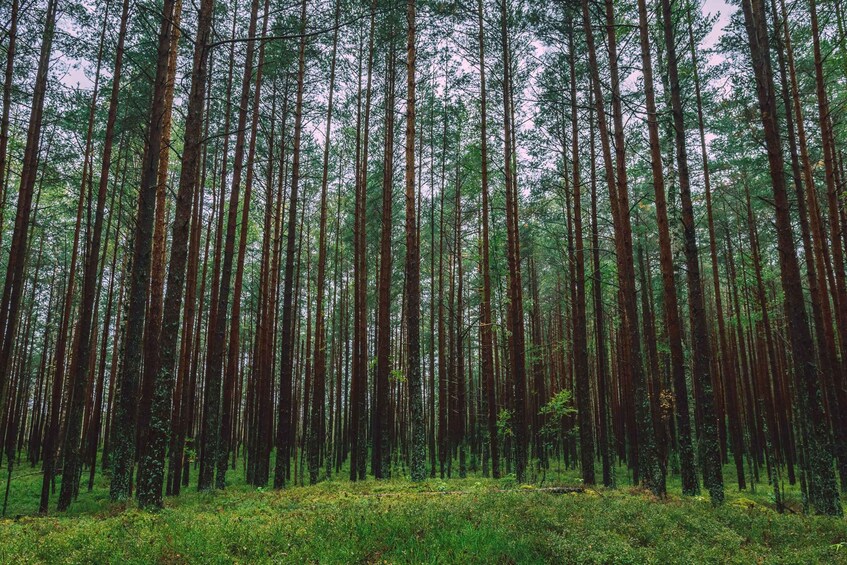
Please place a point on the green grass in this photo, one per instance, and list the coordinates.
(471, 520)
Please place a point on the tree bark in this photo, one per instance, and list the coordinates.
(316, 427)
(151, 470)
(580, 338)
(124, 429)
(517, 353)
(82, 349)
(413, 270)
(649, 467)
(486, 344)
(821, 481)
(284, 433)
(670, 301)
(708, 442)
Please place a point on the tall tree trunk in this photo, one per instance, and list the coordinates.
(13, 286)
(727, 365)
(708, 442)
(413, 270)
(832, 189)
(486, 345)
(8, 78)
(381, 443)
(821, 479)
(316, 426)
(580, 338)
(82, 349)
(209, 400)
(359, 376)
(647, 462)
(459, 384)
(443, 393)
(215, 411)
(816, 265)
(670, 302)
(124, 429)
(284, 433)
(183, 399)
(231, 398)
(517, 353)
(94, 433)
(153, 322)
(151, 470)
(599, 322)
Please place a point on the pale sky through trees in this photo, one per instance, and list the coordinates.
(78, 75)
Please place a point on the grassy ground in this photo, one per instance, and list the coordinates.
(471, 520)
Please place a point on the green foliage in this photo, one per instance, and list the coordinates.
(509, 481)
(470, 520)
(504, 423)
(558, 407)
(190, 452)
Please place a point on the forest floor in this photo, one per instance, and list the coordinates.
(472, 520)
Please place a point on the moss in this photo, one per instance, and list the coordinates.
(472, 520)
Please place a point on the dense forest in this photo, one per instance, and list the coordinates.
(278, 243)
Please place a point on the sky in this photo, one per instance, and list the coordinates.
(711, 7)
(725, 10)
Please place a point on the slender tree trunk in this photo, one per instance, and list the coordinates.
(8, 78)
(709, 443)
(485, 319)
(670, 302)
(413, 270)
(94, 433)
(82, 349)
(284, 433)
(381, 440)
(832, 189)
(153, 321)
(580, 340)
(316, 427)
(817, 264)
(517, 353)
(443, 393)
(231, 398)
(599, 322)
(359, 376)
(216, 411)
(14, 281)
(649, 467)
(124, 429)
(151, 470)
(211, 400)
(822, 486)
(727, 366)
